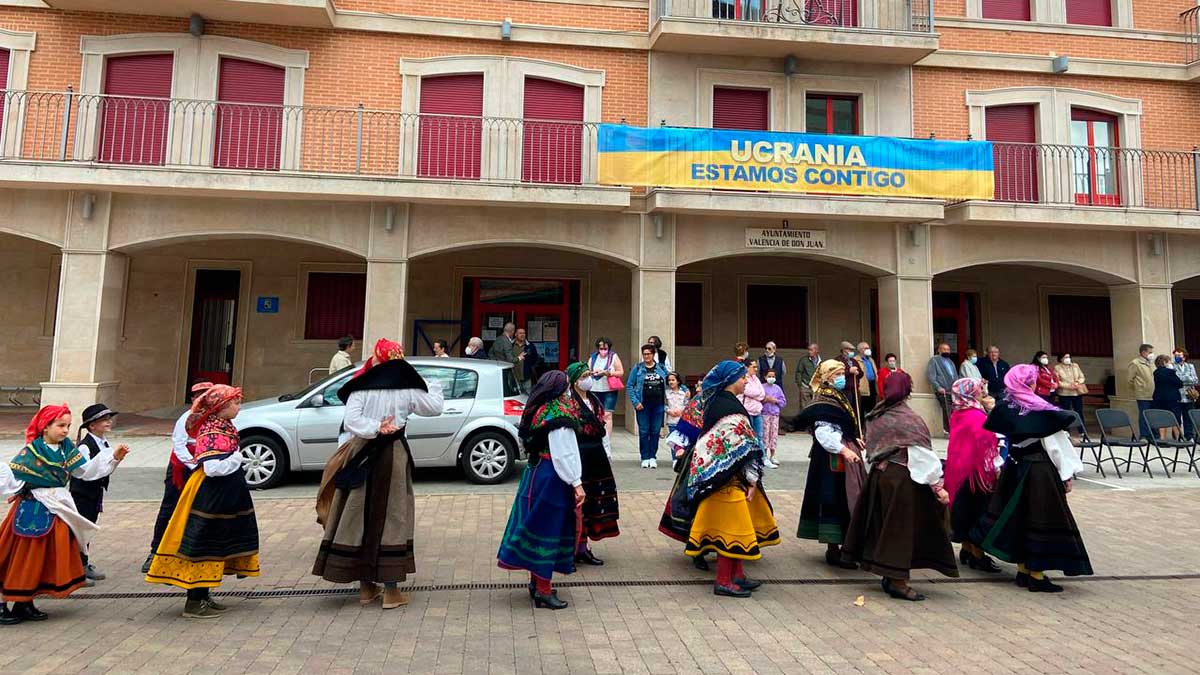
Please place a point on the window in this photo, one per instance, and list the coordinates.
(3, 83)
(249, 115)
(552, 135)
(456, 382)
(689, 314)
(1094, 158)
(134, 111)
(831, 12)
(1090, 12)
(334, 305)
(1011, 10)
(1013, 130)
(451, 126)
(1080, 325)
(741, 108)
(825, 114)
(777, 313)
(740, 10)
(330, 394)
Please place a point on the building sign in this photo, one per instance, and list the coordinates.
(785, 238)
(731, 159)
(268, 304)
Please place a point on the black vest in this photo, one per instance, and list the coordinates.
(92, 488)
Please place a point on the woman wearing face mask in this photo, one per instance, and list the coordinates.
(752, 397)
(891, 365)
(599, 514)
(1187, 375)
(1071, 384)
(607, 375)
(1166, 386)
(1047, 381)
(967, 368)
(835, 471)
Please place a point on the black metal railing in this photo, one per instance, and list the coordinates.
(888, 15)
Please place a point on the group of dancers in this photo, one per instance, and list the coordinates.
(1003, 490)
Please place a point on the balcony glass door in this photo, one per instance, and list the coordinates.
(1094, 158)
(738, 10)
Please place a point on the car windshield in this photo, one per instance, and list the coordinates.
(315, 386)
(511, 387)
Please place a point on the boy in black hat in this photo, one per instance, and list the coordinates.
(89, 494)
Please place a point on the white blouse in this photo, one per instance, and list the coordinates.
(564, 454)
(181, 443)
(1062, 454)
(829, 435)
(366, 410)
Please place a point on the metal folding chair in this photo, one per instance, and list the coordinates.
(1194, 415)
(1111, 421)
(1085, 443)
(1165, 420)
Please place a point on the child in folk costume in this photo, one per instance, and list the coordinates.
(723, 485)
(43, 536)
(89, 494)
(972, 465)
(599, 514)
(1028, 521)
(541, 536)
(213, 531)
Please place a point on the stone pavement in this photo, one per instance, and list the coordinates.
(647, 610)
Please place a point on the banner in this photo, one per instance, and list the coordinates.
(731, 159)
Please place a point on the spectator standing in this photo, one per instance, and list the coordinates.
(805, 369)
(475, 349)
(870, 372)
(941, 374)
(1187, 394)
(752, 398)
(741, 352)
(677, 400)
(771, 361)
(853, 374)
(1166, 387)
(969, 368)
(993, 369)
(1140, 378)
(525, 360)
(647, 387)
(439, 349)
(607, 373)
(891, 364)
(1047, 381)
(341, 358)
(1071, 384)
(774, 401)
(503, 348)
(660, 354)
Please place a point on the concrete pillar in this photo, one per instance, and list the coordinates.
(90, 313)
(653, 299)
(384, 314)
(1141, 314)
(906, 317)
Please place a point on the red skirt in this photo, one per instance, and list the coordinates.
(47, 565)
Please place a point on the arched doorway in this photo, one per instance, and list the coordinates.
(29, 274)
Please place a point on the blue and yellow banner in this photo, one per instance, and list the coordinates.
(730, 159)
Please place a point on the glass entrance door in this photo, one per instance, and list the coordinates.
(540, 306)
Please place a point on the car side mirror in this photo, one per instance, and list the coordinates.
(316, 400)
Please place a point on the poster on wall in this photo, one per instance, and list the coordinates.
(548, 351)
(550, 332)
(495, 322)
(488, 335)
(533, 330)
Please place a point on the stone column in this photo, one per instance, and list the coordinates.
(1141, 314)
(653, 299)
(386, 303)
(90, 313)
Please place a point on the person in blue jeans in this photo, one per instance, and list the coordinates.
(647, 389)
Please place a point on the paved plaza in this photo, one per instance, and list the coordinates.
(646, 610)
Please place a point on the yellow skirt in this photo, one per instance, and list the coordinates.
(169, 567)
(732, 526)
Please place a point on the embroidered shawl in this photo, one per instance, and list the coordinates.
(40, 465)
(721, 454)
(217, 438)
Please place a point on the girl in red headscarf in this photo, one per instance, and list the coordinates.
(43, 535)
(213, 531)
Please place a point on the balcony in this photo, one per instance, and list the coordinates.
(862, 31)
(1189, 20)
(316, 13)
(67, 140)
(1088, 187)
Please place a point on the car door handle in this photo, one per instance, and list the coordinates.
(452, 411)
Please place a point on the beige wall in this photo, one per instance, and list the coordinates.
(28, 275)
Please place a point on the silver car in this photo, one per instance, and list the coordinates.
(476, 430)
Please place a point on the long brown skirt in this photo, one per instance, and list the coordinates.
(369, 529)
(899, 526)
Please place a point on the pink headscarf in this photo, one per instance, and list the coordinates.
(971, 455)
(1018, 390)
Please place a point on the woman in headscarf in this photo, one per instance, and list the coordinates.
(1028, 521)
(900, 522)
(213, 531)
(676, 521)
(43, 535)
(835, 471)
(972, 463)
(723, 487)
(366, 499)
(542, 536)
(598, 517)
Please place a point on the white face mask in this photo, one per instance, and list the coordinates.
(1044, 360)
(866, 352)
(585, 384)
(1066, 360)
(1150, 357)
(770, 380)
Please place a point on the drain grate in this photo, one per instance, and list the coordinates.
(624, 583)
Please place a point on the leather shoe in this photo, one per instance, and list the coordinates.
(27, 612)
(747, 584)
(551, 601)
(1043, 585)
(730, 591)
(588, 558)
(7, 618)
(836, 560)
(700, 563)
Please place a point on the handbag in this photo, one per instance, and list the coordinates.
(615, 383)
(1192, 394)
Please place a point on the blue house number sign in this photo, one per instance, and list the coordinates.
(268, 304)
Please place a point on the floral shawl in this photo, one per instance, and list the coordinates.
(39, 465)
(217, 438)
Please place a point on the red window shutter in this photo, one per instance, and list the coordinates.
(551, 151)
(1090, 12)
(1080, 325)
(1016, 166)
(689, 314)
(842, 13)
(777, 313)
(449, 146)
(1011, 10)
(334, 306)
(741, 108)
(135, 109)
(249, 115)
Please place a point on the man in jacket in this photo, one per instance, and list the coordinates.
(502, 347)
(805, 369)
(771, 361)
(993, 369)
(1140, 377)
(525, 360)
(870, 373)
(941, 373)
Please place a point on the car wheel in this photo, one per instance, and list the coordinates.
(488, 458)
(263, 461)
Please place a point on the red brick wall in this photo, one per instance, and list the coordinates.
(520, 11)
(1156, 16)
(1024, 42)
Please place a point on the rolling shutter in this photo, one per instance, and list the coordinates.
(451, 126)
(551, 150)
(334, 305)
(1016, 166)
(741, 108)
(1080, 325)
(1011, 10)
(1090, 12)
(135, 109)
(249, 115)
